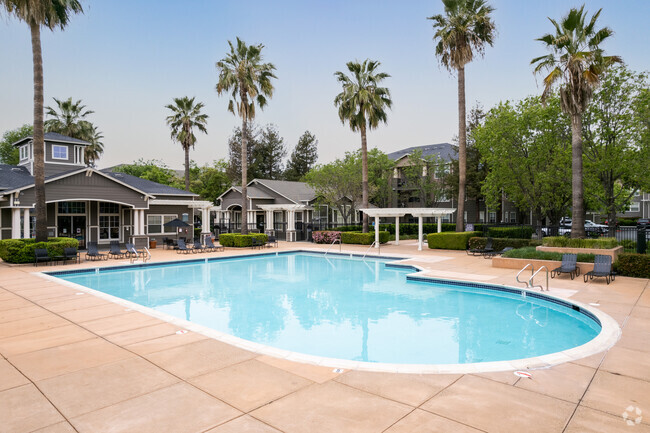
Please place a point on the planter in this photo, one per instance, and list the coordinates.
(153, 244)
(612, 252)
(511, 263)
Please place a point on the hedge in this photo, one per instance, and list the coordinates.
(363, 238)
(500, 243)
(523, 232)
(562, 241)
(633, 265)
(450, 240)
(22, 250)
(239, 240)
(532, 253)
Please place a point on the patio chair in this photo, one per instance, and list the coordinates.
(71, 253)
(41, 255)
(212, 246)
(491, 254)
(602, 268)
(182, 248)
(256, 243)
(481, 251)
(93, 253)
(568, 266)
(272, 241)
(115, 251)
(198, 248)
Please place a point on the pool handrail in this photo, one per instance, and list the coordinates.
(332, 244)
(532, 271)
(531, 282)
(370, 247)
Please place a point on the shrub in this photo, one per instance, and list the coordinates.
(239, 240)
(22, 250)
(626, 221)
(628, 245)
(523, 232)
(325, 237)
(562, 241)
(500, 243)
(633, 265)
(352, 228)
(363, 238)
(532, 253)
(450, 241)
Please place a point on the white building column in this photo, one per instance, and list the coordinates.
(15, 223)
(376, 232)
(205, 220)
(291, 225)
(142, 221)
(270, 224)
(396, 230)
(420, 233)
(252, 217)
(439, 224)
(136, 222)
(26, 231)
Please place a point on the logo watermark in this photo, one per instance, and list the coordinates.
(632, 416)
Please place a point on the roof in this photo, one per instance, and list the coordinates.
(147, 186)
(446, 151)
(253, 192)
(295, 191)
(54, 136)
(12, 177)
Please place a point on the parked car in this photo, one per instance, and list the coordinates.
(592, 227)
(643, 223)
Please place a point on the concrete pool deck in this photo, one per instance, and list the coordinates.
(76, 362)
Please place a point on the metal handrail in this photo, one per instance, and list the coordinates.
(144, 259)
(137, 255)
(532, 271)
(370, 247)
(332, 244)
(530, 280)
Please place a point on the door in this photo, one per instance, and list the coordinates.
(73, 226)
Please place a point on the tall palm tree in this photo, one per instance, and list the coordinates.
(363, 104)
(186, 115)
(463, 31)
(243, 74)
(70, 119)
(96, 147)
(577, 61)
(37, 14)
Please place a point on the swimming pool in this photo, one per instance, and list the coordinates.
(349, 308)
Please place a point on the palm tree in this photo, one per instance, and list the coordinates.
(186, 115)
(96, 147)
(51, 14)
(363, 103)
(577, 61)
(70, 120)
(462, 32)
(248, 80)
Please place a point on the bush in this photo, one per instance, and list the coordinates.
(522, 232)
(626, 221)
(22, 250)
(239, 240)
(633, 265)
(450, 241)
(363, 238)
(562, 241)
(628, 245)
(349, 228)
(500, 243)
(325, 237)
(532, 253)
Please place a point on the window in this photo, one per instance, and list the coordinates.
(109, 207)
(109, 227)
(481, 217)
(59, 152)
(24, 151)
(156, 224)
(635, 207)
(492, 217)
(72, 207)
(513, 217)
(186, 217)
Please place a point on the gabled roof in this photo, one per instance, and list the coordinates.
(12, 177)
(445, 151)
(147, 186)
(297, 192)
(253, 192)
(56, 137)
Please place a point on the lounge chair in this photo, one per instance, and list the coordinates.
(272, 241)
(256, 243)
(482, 251)
(210, 245)
(130, 251)
(182, 248)
(568, 266)
(490, 254)
(115, 251)
(41, 255)
(602, 268)
(93, 254)
(71, 253)
(198, 247)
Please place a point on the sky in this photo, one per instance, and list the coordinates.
(126, 60)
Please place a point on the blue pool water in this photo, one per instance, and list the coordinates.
(348, 308)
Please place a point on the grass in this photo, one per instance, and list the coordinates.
(532, 254)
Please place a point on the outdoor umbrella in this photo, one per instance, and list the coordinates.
(176, 223)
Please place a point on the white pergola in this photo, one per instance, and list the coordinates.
(397, 213)
(290, 209)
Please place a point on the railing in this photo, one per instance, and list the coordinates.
(532, 271)
(530, 280)
(370, 247)
(332, 244)
(135, 255)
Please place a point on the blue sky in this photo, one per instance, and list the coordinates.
(127, 59)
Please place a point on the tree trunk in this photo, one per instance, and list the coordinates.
(578, 210)
(187, 168)
(462, 152)
(244, 178)
(364, 177)
(39, 146)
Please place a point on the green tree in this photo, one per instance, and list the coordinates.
(50, 14)
(69, 120)
(269, 154)
(211, 180)
(363, 103)
(186, 116)
(153, 170)
(380, 169)
(424, 178)
(303, 157)
(577, 61)
(615, 156)
(527, 150)
(253, 133)
(93, 152)
(8, 153)
(463, 31)
(243, 74)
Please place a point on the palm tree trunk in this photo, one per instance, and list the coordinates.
(364, 176)
(244, 177)
(578, 211)
(38, 139)
(462, 152)
(187, 168)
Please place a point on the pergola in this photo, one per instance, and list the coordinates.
(397, 213)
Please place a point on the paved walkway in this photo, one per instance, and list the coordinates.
(75, 362)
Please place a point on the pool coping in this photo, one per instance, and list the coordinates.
(609, 335)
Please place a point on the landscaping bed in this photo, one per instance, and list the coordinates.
(22, 250)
